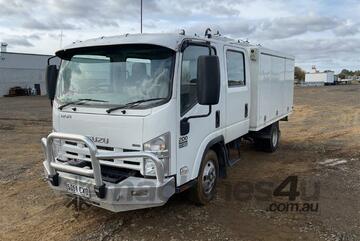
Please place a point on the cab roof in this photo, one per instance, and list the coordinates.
(168, 40)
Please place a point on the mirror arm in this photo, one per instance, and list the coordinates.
(199, 116)
(185, 125)
(48, 61)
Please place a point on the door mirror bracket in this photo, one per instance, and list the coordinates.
(185, 125)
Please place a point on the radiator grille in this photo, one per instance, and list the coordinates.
(76, 151)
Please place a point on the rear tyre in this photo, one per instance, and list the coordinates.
(270, 142)
(204, 190)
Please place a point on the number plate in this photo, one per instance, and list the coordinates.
(78, 190)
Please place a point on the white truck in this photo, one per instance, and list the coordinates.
(140, 117)
(323, 78)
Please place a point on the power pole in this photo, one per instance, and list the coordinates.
(141, 15)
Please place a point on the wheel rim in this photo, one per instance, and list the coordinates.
(275, 136)
(209, 176)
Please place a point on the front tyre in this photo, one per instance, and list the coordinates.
(204, 190)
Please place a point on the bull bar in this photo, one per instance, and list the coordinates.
(53, 167)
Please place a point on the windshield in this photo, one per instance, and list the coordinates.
(116, 75)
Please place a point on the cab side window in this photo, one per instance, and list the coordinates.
(189, 76)
(235, 68)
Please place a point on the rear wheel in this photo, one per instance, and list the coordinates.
(269, 138)
(204, 190)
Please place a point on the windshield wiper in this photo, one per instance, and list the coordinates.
(79, 102)
(132, 104)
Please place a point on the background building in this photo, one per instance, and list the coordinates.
(23, 70)
(320, 78)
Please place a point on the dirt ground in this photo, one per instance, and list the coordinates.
(320, 145)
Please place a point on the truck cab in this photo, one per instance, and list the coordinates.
(137, 118)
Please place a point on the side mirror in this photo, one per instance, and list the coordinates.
(208, 80)
(51, 80)
(208, 87)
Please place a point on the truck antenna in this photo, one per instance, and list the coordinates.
(61, 38)
(141, 16)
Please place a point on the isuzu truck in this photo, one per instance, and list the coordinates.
(140, 117)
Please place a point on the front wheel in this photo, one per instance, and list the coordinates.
(204, 190)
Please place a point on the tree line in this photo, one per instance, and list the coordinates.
(345, 73)
(300, 73)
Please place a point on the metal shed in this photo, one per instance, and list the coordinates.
(23, 70)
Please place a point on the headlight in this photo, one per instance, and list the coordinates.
(160, 146)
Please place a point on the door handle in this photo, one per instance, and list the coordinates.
(217, 119)
(246, 110)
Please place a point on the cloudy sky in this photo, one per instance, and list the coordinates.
(325, 33)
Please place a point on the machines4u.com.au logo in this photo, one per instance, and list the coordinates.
(288, 195)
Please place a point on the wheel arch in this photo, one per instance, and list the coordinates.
(216, 144)
(264, 133)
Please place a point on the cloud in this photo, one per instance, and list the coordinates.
(347, 28)
(189, 7)
(18, 41)
(33, 36)
(55, 15)
(324, 52)
(93, 12)
(9, 8)
(312, 30)
(285, 27)
(236, 29)
(47, 25)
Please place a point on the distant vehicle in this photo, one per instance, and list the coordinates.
(344, 81)
(137, 118)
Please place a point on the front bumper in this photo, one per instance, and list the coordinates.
(129, 194)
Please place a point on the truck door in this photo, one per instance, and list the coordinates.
(188, 146)
(237, 93)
